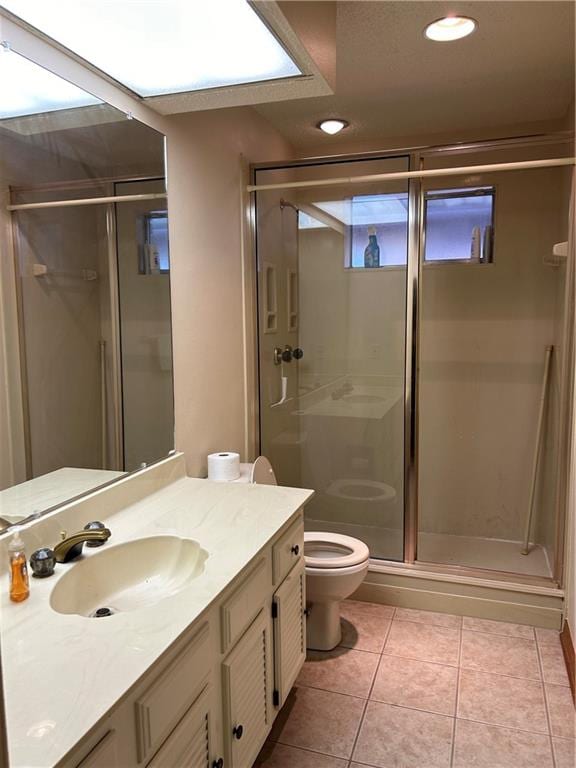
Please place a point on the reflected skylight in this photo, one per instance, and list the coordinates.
(164, 46)
(305, 221)
(368, 209)
(27, 89)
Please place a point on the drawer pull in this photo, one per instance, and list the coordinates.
(218, 763)
(237, 731)
(295, 549)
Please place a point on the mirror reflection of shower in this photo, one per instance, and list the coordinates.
(95, 324)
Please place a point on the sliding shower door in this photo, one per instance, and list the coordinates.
(332, 267)
(490, 361)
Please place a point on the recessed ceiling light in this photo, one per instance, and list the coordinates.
(332, 126)
(450, 28)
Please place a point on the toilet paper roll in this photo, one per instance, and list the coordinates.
(223, 467)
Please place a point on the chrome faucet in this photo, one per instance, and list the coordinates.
(71, 546)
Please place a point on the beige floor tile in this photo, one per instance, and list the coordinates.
(429, 617)
(485, 746)
(342, 670)
(505, 655)
(274, 755)
(547, 636)
(498, 628)
(423, 642)
(564, 752)
(417, 684)
(365, 625)
(319, 720)
(499, 700)
(561, 711)
(553, 664)
(395, 737)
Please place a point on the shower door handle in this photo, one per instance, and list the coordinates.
(283, 355)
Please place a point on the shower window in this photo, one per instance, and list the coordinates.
(154, 255)
(459, 225)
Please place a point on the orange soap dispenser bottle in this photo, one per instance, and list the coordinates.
(19, 584)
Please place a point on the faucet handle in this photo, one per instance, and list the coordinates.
(95, 525)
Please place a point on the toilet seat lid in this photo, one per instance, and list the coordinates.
(262, 472)
(323, 549)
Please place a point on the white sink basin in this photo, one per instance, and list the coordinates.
(129, 576)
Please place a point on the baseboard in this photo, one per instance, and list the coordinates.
(480, 601)
(569, 657)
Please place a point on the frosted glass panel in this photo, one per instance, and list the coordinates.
(164, 47)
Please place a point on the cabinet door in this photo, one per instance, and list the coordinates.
(246, 677)
(104, 754)
(289, 632)
(188, 746)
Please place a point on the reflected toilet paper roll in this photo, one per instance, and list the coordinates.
(223, 467)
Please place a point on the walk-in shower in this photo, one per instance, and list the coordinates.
(408, 305)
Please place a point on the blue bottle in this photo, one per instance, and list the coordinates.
(372, 250)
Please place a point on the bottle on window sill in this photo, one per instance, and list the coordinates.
(372, 250)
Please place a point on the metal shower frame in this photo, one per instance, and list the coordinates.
(416, 156)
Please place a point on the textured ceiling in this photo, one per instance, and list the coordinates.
(518, 67)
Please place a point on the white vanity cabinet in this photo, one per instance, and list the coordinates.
(247, 694)
(212, 699)
(289, 620)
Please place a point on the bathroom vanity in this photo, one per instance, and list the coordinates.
(206, 642)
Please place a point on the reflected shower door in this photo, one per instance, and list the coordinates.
(144, 308)
(332, 265)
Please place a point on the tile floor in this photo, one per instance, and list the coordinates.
(416, 689)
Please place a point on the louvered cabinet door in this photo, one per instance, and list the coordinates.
(188, 746)
(289, 632)
(246, 675)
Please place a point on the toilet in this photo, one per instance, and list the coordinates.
(335, 566)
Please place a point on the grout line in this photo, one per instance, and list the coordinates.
(361, 723)
(307, 749)
(453, 745)
(501, 725)
(349, 648)
(548, 719)
(497, 634)
(331, 690)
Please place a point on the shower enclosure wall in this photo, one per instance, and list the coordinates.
(403, 329)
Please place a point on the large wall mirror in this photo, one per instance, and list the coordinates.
(85, 343)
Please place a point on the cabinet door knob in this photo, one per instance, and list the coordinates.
(218, 763)
(295, 549)
(237, 731)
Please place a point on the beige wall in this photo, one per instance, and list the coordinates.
(206, 156)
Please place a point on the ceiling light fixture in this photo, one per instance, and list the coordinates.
(332, 126)
(450, 28)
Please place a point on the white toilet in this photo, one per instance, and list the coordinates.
(335, 567)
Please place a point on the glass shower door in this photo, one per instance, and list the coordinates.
(490, 353)
(332, 266)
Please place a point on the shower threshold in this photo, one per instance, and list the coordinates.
(473, 552)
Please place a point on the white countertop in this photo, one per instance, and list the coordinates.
(62, 673)
(47, 490)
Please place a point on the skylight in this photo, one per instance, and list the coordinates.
(164, 46)
(28, 89)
